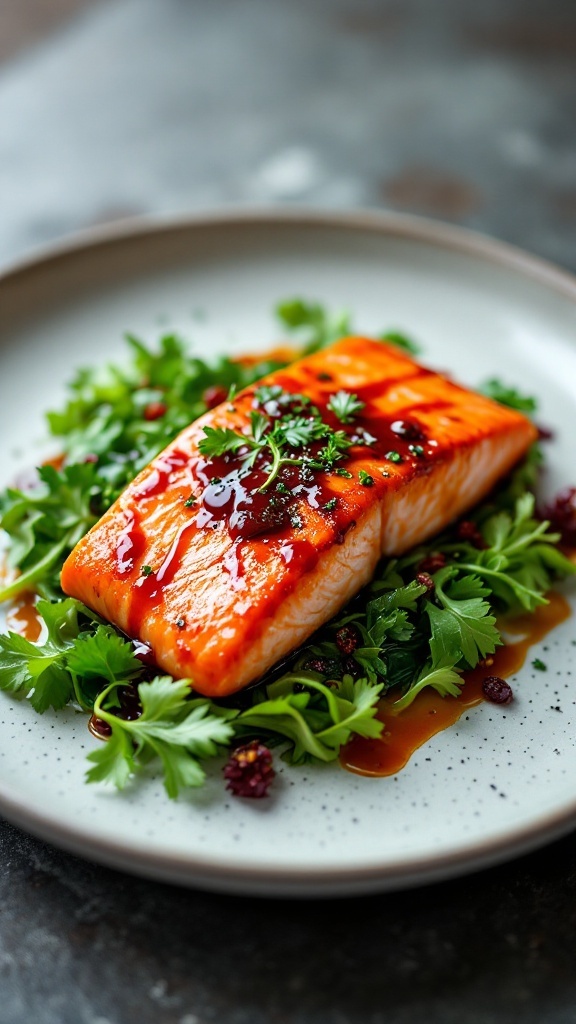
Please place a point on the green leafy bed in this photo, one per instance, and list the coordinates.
(412, 629)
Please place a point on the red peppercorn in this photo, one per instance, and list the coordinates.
(325, 666)
(347, 639)
(155, 411)
(497, 690)
(425, 580)
(433, 562)
(249, 771)
(351, 668)
(214, 395)
(468, 531)
(545, 433)
(562, 515)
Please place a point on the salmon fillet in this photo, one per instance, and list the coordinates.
(223, 578)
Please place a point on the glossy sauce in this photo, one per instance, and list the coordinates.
(430, 713)
(23, 618)
(220, 493)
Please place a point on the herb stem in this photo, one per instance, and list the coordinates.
(278, 461)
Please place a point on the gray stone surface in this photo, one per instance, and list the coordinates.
(460, 111)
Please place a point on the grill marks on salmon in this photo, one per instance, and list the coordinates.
(224, 587)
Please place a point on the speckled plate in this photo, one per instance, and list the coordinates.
(498, 783)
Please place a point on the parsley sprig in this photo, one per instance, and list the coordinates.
(283, 440)
(345, 406)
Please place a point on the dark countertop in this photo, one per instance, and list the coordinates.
(461, 112)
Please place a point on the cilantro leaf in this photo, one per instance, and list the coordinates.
(103, 654)
(113, 761)
(444, 677)
(27, 667)
(521, 560)
(315, 719)
(172, 727)
(463, 626)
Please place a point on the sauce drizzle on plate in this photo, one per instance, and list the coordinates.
(430, 713)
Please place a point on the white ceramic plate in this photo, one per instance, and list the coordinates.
(500, 781)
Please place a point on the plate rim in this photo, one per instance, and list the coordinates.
(405, 225)
(304, 880)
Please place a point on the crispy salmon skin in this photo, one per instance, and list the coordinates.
(223, 574)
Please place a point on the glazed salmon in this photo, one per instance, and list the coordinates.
(223, 572)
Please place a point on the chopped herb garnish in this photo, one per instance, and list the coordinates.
(365, 479)
(394, 456)
(538, 664)
(267, 393)
(330, 505)
(190, 501)
(345, 406)
(283, 441)
(416, 449)
(146, 570)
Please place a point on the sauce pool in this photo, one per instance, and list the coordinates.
(407, 730)
(23, 618)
